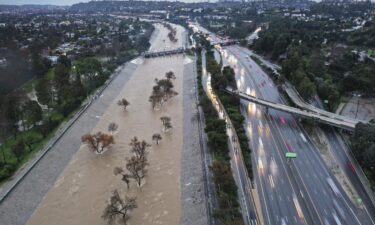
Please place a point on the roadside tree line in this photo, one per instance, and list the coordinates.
(226, 189)
(220, 79)
(363, 146)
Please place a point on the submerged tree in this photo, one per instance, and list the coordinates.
(170, 75)
(162, 91)
(137, 168)
(137, 164)
(167, 125)
(123, 102)
(98, 142)
(112, 127)
(125, 176)
(118, 209)
(156, 137)
(139, 148)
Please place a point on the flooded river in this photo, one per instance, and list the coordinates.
(80, 194)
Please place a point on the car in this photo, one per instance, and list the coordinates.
(288, 146)
(351, 167)
(333, 186)
(282, 120)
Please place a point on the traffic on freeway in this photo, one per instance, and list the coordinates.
(315, 192)
(297, 191)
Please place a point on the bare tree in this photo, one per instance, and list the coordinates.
(118, 209)
(98, 142)
(123, 102)
(139, 148)
(112, 127)
(170, 75)
(166, 120)
(154, 101)
(156, 137)
(125, 176)
(167, 126)
(137, 168)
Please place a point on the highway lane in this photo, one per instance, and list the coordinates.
(319, 172)
(284, 129)
(346, 161)
(350, 167)
(347, 164)
(277, 200)
(347, 199)
(330, 204)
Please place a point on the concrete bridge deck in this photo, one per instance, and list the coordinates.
(164, 52)
(337, 122)
(300, 102)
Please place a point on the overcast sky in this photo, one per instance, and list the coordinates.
(41, 2)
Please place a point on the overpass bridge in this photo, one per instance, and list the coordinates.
(301, 103)
(153, 54)
(225, 42)
(166, 52)
(337, 122)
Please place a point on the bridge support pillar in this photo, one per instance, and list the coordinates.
(266, 110)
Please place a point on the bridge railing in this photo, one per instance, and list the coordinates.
(303, 113)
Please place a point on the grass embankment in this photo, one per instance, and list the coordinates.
(226, 189)
(221, 79)
(18, 148)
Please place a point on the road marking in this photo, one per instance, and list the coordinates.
(278, 152)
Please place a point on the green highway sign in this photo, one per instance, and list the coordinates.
(291, 155)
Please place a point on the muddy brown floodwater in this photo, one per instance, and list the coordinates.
(80, 194)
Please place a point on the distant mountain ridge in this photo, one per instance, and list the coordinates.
(31, 8)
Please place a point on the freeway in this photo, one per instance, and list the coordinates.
(339, 148)
(308, 170)
(341, 152)
(273, 134)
